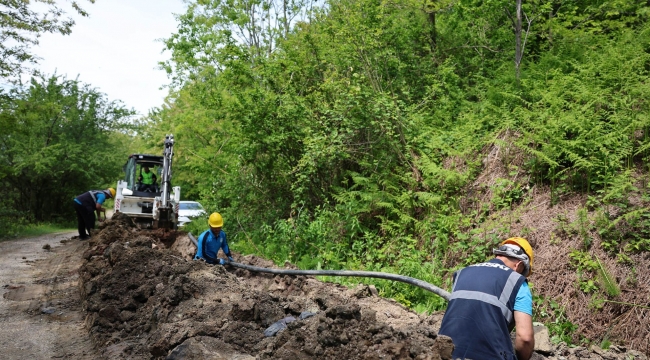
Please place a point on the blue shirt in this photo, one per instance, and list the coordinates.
(524, 300)
(211, 244)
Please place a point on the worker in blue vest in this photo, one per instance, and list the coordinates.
(210, 241)
(487, 301)
(87, 203)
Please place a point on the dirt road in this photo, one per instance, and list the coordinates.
(40, 309)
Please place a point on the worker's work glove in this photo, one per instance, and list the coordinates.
(230, 258)
(222, 262)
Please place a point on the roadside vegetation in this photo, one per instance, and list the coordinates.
(58, 137)
(400, 136)
(412, 137)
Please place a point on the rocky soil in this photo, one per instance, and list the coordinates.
(145, 298)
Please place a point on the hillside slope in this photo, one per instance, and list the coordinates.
(590, 279)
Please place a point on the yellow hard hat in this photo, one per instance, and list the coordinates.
(215, 220)
(112, 191)
(523, 243)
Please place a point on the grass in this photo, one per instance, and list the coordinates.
(607, 280)
(197, 226)
(37, 230)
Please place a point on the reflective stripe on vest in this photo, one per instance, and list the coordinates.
(95, 192)
(501, 302)
(453, 288)
(91, 194)
(480, 313)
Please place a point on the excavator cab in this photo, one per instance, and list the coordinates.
(150, 205)
(133, 170)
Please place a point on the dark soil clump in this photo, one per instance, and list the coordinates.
(144, 301)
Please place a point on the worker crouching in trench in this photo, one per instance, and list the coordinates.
(487, 301)
(210, 241)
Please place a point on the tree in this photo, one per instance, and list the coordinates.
(214, 32)
(20, 27)
(57, 140)
(517, 26)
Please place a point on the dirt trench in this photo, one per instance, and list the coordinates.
(145, 298)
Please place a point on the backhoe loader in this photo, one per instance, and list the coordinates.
(153, 206)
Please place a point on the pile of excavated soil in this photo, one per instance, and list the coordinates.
(145, 298)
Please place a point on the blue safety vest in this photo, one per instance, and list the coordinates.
(89, 199)
(480, 314)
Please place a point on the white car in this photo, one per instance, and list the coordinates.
(188, 210)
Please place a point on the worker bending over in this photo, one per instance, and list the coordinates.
(211, 240)
(87, 203)
(487, 301)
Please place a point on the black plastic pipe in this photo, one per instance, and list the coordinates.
(371, 274)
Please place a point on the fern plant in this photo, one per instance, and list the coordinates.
(607, 280)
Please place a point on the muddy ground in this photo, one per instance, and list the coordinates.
(145, 298)
(40, 307)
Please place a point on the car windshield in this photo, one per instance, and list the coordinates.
(191, 206)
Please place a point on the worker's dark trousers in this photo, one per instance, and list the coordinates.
(85, 220)
(147, 187)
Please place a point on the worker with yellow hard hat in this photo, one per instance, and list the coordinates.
(211, 240)
(85, 205)
(488, 300)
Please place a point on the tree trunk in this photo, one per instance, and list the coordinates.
(518, 49)
(433, 34)
(286, 22)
